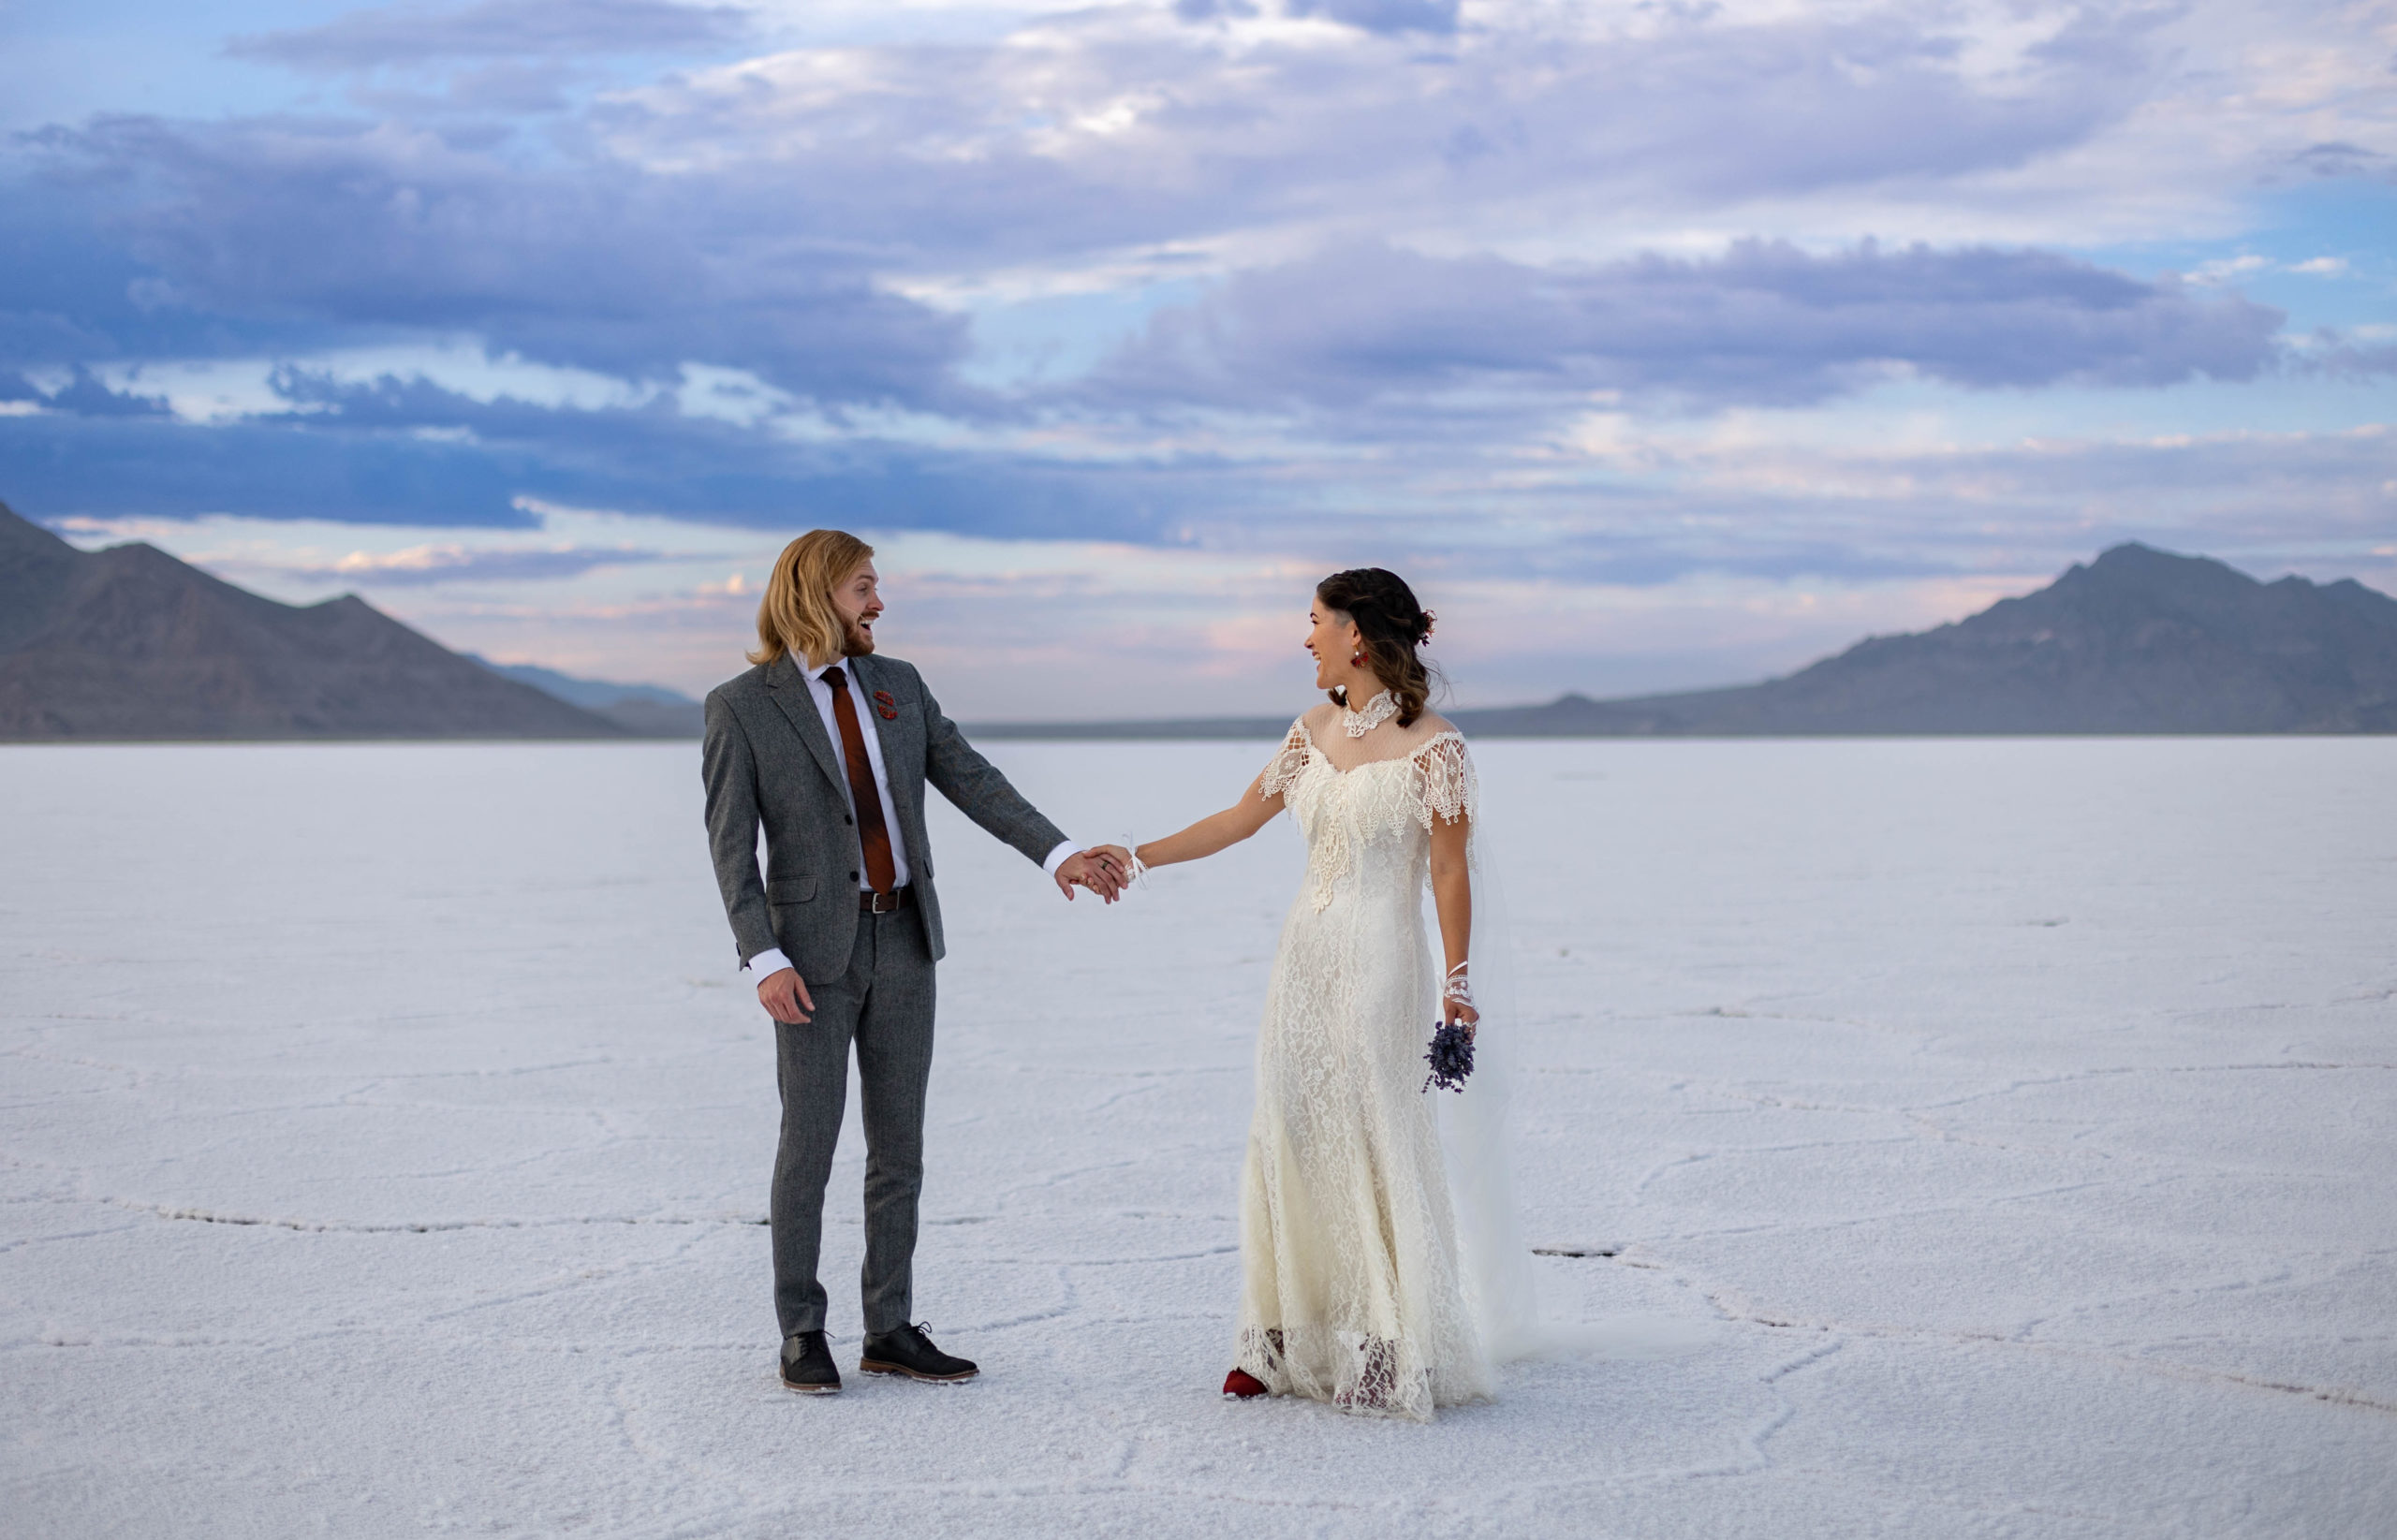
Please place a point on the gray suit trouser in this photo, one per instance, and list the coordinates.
(883, 1005)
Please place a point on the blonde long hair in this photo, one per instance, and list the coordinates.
(797, 615)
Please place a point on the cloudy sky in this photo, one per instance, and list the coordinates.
(1660, 344)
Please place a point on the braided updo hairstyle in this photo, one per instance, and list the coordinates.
(1393, 627)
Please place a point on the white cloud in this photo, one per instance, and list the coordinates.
(2229, 270)
(899, 267)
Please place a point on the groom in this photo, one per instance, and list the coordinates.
(827, 748)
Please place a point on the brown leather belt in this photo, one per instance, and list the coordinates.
(872, 902)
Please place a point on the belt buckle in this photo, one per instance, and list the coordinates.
(875, 901)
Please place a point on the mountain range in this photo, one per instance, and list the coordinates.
(131, 643)
(2138, 642)
(646, 711)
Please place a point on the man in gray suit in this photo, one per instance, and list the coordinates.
(827, 747)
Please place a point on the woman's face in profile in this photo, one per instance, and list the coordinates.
(1333, 639)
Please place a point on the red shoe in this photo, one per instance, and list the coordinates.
(1239, 1385)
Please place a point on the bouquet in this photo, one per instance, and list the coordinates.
(1452, 1056)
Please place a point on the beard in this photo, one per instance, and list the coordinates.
(856, 640)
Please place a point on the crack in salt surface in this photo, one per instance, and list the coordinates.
(415, 1227)
(2332, 1395)
(1716, 1299)
(1104, 1261)
(1758, 1458)
(2100, 1072)
(1732, 1013)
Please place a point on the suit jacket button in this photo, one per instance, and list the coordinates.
(847, 819)
(853, 876)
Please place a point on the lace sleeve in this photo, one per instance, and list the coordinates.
(1445, 784)
(1282, 771)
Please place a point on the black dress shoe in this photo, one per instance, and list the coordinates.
(907, 1351)
(807, 1364)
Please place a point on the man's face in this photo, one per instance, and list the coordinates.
(859, 601)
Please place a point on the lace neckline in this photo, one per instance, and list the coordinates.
(1377, 711)
(1412, 755)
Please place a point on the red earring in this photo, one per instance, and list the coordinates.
(1355, 660)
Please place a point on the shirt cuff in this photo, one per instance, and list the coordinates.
(764, 966)
(1057, 856)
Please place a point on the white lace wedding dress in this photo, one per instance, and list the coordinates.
(1352, 1289)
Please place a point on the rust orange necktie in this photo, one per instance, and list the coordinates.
(874, 835)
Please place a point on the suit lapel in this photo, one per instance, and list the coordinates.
(901, 753)
(792, 693)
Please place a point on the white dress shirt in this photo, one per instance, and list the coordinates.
(757, 969)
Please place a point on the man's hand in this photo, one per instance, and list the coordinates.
(1093, 870)
(783, 994)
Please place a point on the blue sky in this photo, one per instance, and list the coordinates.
(1660, 345)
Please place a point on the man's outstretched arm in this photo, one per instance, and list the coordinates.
(959, 772)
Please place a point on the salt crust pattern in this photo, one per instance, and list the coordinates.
(2003, 1125)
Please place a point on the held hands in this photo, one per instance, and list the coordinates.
(783, 994)
(1102, 868)
(1118, 861)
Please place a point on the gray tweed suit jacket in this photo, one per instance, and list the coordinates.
(768, 764)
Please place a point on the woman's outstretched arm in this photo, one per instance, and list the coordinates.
(1216, 831)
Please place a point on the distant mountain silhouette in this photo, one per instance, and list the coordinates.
(2138, 642)
(131, 643)
(645, 711)
(592, 695)
(1238, 727)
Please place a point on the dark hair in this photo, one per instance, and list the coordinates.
(1393, 627)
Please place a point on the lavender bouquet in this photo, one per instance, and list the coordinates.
(1452, 1056)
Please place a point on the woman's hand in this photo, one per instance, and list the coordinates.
(1453, 1011)
(1088, 869)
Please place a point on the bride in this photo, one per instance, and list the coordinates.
(1353, 1290)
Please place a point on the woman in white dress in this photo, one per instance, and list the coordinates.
(1353, 1291)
